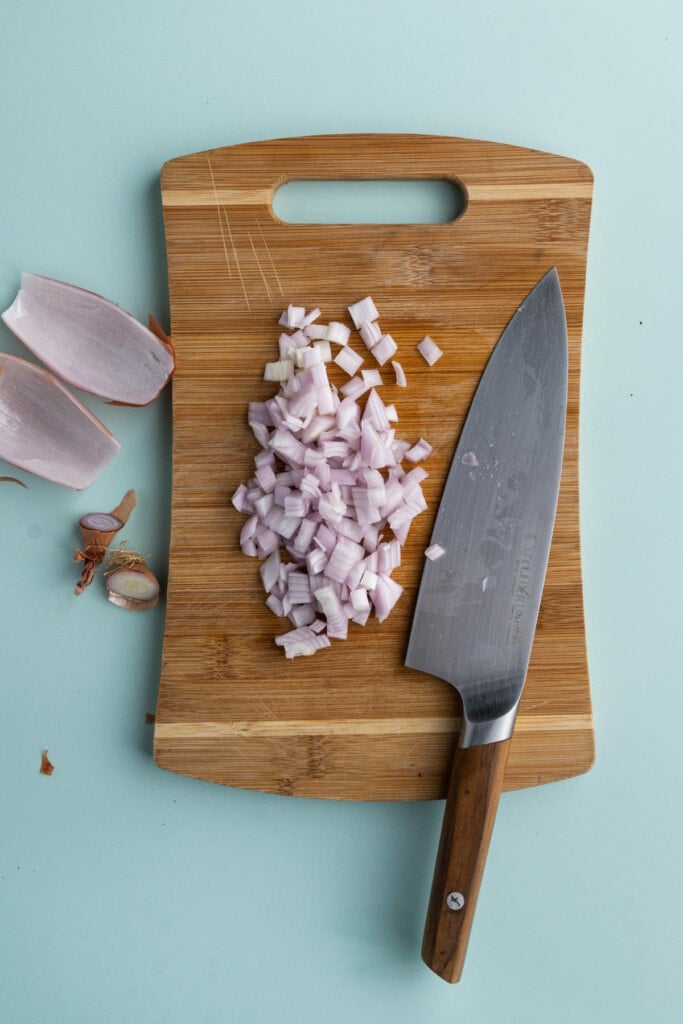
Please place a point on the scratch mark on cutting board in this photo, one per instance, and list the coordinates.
(270, 256)
(220, 221)
(242, 743)
(261, 706)
(237, 262)
(258, 264)
(222, 717)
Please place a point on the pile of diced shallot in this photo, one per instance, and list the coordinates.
(331, 502)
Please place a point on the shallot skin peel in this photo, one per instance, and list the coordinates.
(46, 430)
(89, 341)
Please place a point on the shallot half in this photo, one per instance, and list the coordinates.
(131, 584)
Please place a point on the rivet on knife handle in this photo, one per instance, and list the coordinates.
(473, 793)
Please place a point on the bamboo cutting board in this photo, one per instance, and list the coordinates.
(352, 722)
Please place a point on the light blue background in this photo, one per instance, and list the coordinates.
(127, 893)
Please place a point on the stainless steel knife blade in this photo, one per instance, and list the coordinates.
(477, 604)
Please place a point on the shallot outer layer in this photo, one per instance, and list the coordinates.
(89, 341)
(45, 430)
(330, 504)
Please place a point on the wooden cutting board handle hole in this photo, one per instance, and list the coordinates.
(365, 201)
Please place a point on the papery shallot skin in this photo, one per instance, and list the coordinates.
(89, 341)
(46, 430)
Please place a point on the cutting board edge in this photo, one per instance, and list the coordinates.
(582, 764)
(350, 795)
(583, 170)
(170, 753)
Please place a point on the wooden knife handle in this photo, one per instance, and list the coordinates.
(471, 804)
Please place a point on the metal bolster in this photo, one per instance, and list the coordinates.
(476, 734)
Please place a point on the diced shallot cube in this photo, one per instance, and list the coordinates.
(419, 451)
(267, 541)
(292, 316)
(298, 588)
(348, 359)
(429, 350)
(316, 332)
(388, 556)
(316, 560)
(302, 641)
(274, 603)
(371, 378)
(304, 321)
(323, 347)
(354, 388)
(337, 623)
(363, 311)
(280, 370)
(270, 571)
(370, 333)
(299, 339)
(385, 595)
(400, 375)
(305, 357)
(240, 500)
(304, 538)
(369, 580)
(434, 551)
(384, 349)
(338, 333)
(375, 411)
(345, 555)
(360, 600)
(302, 615)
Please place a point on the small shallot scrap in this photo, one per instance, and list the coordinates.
(470, 459)
(12, 480)
(434, 551)
(98, 530)
(401, 379)
(46, 765)
(131, 584)
(429, 350)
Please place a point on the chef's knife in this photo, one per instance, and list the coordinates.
(478, 603)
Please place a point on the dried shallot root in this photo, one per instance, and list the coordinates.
(46, 430)
(131, 584)
(98, 530)
(331, 502)
(89, 341)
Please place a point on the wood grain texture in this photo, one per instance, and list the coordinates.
(471, 804)
(352, 722)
